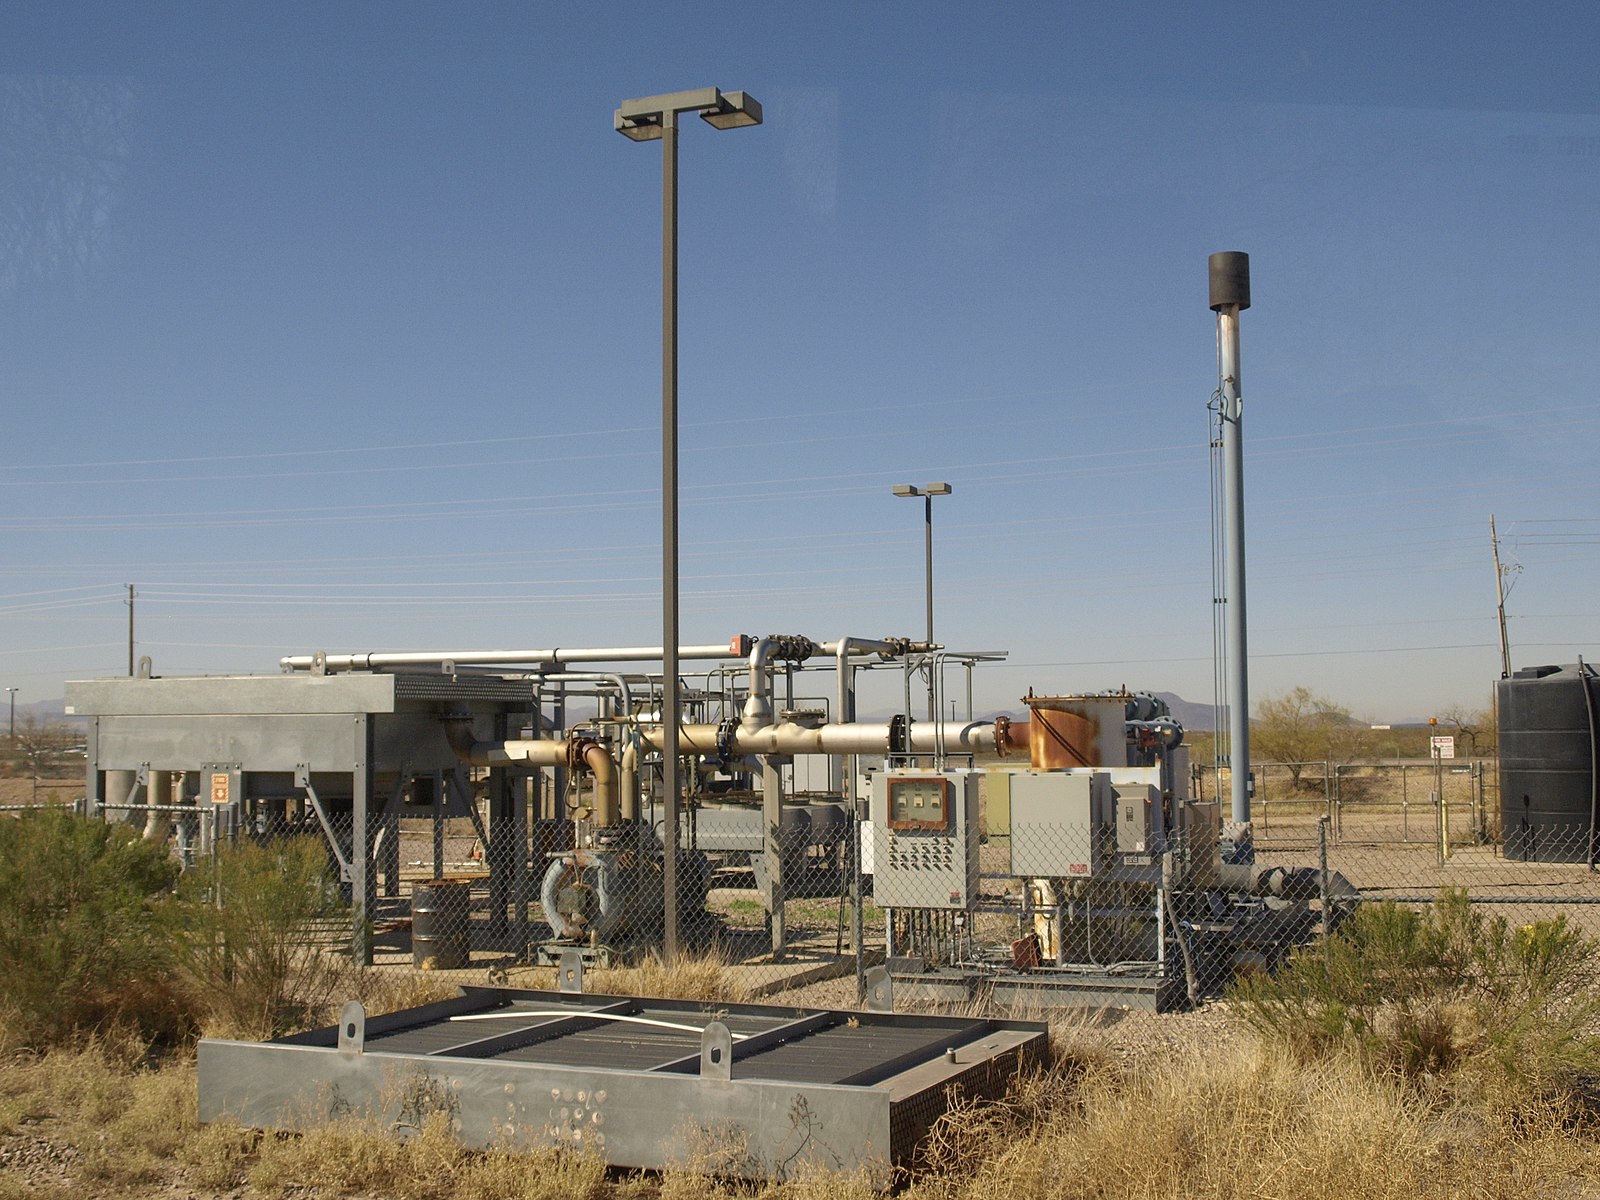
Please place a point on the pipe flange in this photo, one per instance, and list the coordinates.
(1002, 734)
(790, 647)
(577, 750)
(899, 647)
(727, 728)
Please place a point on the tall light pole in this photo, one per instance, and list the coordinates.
(927, 491)
(13, 694)
(646, 120)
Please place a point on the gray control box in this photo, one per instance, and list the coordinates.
(925, 839)
(1060, 823)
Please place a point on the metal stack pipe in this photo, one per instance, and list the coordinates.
(1230, 295)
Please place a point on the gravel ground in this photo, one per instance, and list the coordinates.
(1129, 1035)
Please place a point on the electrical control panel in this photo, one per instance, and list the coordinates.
(925, 839)
(1060, 822)
(1138, 817)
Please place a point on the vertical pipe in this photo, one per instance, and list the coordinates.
(1230, 295)
(927, 538)
(772, 819)
(363, 881)
(671, 699)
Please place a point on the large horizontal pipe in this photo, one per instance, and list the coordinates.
(784, 738)
(506, 658)
(855, 737)
(733, 649)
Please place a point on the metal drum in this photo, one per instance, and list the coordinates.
(440, 911)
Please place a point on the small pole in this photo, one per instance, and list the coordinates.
(1500, 594)
(1322, 882)
(130, 631)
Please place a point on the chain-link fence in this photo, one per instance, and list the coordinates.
(998, 886)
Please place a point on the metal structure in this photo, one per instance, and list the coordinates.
(1230, 295)
(1090, 871)
(1101, 881)
(335, 754)
(576, 809)
(744, 1090)
(650, 119)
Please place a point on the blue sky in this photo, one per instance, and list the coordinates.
(337, 326)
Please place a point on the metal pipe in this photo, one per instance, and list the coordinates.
(377, 660)
(671, 694)
(1230, 295)
(758, 699)
(541, 752)
(616, 681)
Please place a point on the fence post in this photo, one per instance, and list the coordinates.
(1322, 882)
(1329, 770)
(1440, 810)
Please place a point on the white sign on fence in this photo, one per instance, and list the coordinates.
(1443, 747)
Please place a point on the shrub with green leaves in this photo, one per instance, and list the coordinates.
(1443, 990)
(254, 926)
(84, 931)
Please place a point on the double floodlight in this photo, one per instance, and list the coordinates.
(643, 120)
(927, 489)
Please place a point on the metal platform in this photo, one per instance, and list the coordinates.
(1041, 990)
(745, 1090)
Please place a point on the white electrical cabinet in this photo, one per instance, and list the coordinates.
(1060, 822)
(925, 839)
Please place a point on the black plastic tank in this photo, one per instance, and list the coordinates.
(1548, 753)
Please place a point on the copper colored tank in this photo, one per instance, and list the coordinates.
(1076, 731)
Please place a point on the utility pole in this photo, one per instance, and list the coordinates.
(130, 631)
(1500, 593)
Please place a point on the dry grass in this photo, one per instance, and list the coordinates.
(1250, 1124)
(1241, 1128)
(706, 978)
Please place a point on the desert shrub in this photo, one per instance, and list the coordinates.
(252, 930)
(1443, 990)
(84, 936)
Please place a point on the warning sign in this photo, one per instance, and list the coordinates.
(1443, 747)
(220, 787)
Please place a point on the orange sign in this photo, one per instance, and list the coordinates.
(219, 787)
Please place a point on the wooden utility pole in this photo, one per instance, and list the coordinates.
(1500, 594)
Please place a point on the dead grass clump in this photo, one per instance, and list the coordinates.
(1238, 1128)
(390, 989)
(357, 1158)
(125, 1121)
(704, 977)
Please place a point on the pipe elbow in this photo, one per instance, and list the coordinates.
(597, 758)
(459, 736)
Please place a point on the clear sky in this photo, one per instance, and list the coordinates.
(336, 326)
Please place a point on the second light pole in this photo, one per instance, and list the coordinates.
(650, 119)
(927, 491)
